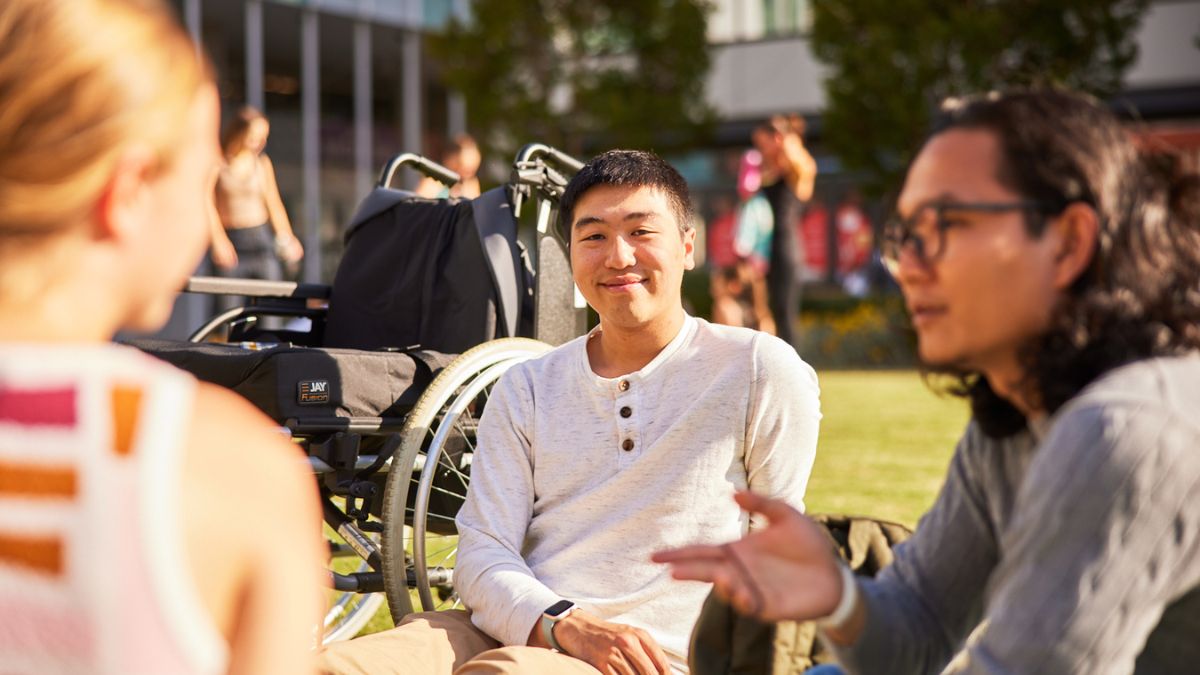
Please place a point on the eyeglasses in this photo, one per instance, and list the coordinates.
(926, 228)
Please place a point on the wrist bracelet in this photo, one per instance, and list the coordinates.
(841, 613)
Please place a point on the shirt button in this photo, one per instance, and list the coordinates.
(626, 411)
(627, 445)
(623, 385)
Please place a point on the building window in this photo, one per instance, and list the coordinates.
(750, 20)
(785, 17)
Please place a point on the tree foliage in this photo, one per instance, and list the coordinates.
(577, 75)
(891, 62)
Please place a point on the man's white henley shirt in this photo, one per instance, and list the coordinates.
(578, 478)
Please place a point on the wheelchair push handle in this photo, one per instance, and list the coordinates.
(423, 164)
(563, 160)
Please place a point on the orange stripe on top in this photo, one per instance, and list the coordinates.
(29, 480)
(43, 554)
(125, 404)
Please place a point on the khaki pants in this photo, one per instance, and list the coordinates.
(437, 643)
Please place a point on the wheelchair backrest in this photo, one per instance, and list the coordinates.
(445, 274)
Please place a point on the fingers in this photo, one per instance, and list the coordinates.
(729, 585)
(697, 552)
(699, 570)
(619, 665)
(748, 594)
(626, 657)
(657, 655)
(635, 650)
(744, 602)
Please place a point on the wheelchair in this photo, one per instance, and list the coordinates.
(382, 376)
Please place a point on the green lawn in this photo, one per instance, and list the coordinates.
(885, 442)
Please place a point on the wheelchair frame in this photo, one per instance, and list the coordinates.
(395, 541)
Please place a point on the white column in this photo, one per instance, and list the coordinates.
(410, 87)
(456, 113)
(310, 102)
(254, 54)
(190, 308)
(191, 18)
(364, 163)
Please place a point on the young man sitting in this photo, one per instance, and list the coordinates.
(1056, 272)
(624, 441)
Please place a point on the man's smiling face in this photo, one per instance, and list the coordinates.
(628, 254)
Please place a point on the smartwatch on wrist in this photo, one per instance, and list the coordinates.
(553, 614)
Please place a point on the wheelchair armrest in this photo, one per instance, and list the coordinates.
(256, 288)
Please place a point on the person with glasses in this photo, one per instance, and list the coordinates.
(1052, 271)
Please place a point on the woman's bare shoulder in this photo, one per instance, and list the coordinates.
(231, 441)
(254, 529)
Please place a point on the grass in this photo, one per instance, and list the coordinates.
(885, 442)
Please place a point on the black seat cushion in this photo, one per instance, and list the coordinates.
(302, 382)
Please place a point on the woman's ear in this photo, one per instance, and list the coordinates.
(121, 207)
(1078, 228)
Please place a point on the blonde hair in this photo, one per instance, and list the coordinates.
(80, 80)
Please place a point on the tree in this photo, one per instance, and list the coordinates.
(580, 75)
(891, 62)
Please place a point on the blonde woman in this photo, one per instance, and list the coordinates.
(148, 523)
(252, 231)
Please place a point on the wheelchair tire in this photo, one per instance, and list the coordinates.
(431, 471)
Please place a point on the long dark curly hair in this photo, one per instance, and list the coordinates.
(1140, 295)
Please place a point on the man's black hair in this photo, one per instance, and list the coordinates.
(635, 168)
(1140, 295)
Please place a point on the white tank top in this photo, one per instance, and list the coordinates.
(93, 572)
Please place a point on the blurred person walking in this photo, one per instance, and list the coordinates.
(855, 243)
(738, 291)
(148, 523)
(252, 232)
(462, 157)
(789, 174)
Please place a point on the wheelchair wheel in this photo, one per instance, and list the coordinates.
(429, 476)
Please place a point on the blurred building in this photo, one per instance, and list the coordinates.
(347, 84)
(763, 65)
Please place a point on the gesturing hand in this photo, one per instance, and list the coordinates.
(612, 648)
(784, 571)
